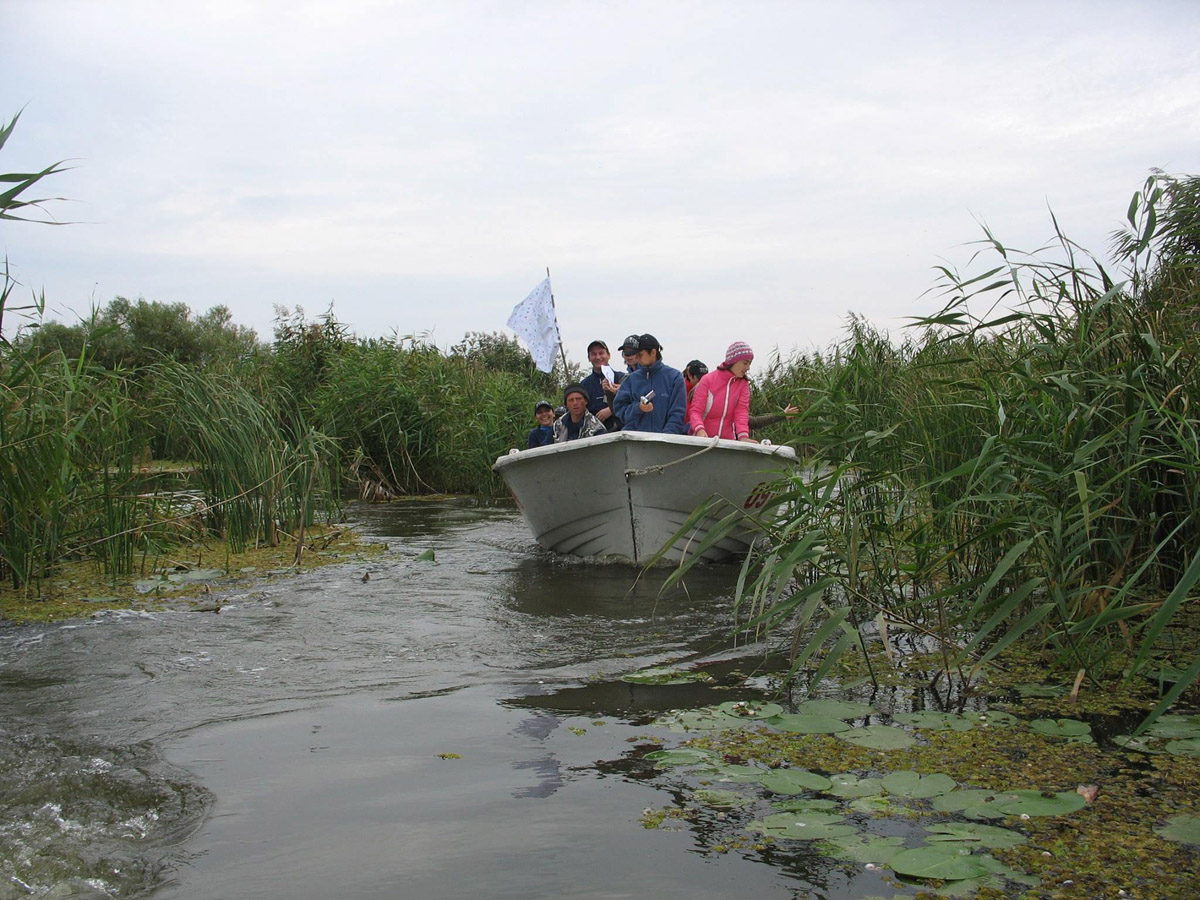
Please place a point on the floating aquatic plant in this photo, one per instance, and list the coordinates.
(990, 718)
(794, 781)
(722, 799)
(688, 720)
(919, 787)
(848, 784)
(664, 675)
(838, 709)
(863, 848)
(812, 826)
(878, 737)
(938, 861)
(932, 719)
(808, 724)
(1182, 828)
(750, 709)
(1185, 747)
(974, 834)
(679, 757)
(1070, 729)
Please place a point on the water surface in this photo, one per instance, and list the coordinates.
(443, 729)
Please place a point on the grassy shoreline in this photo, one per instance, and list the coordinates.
(194, 576)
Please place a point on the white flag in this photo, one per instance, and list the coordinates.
(533, 319)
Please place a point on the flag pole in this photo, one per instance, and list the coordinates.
(557, 332)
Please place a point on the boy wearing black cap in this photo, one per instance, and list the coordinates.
(653, 397)
(543, 434)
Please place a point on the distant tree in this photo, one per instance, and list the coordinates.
(133, 334)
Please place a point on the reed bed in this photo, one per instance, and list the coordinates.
(1027, 473)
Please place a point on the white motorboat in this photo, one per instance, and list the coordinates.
(624, 495)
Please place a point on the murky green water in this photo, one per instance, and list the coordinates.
(441, 730)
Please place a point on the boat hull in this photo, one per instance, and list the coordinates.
(624, 495)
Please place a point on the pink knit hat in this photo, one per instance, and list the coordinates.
(738, 350)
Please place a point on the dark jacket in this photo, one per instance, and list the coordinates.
(540, 437)
(598, 400)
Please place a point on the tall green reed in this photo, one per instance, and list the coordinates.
(260, 480)
(1022, 474)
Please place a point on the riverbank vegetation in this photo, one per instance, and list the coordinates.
(1020, 467)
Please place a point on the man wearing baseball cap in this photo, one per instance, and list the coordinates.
(652, 397)
(601, 385)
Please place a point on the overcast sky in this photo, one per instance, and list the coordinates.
(706, 171)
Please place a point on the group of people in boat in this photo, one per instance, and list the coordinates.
(652, 396)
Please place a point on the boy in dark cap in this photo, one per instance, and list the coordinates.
(543, 434)
(653, 397)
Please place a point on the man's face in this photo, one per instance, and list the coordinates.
(598, 356)
(544, 416)
(576, 404)
(645, 358)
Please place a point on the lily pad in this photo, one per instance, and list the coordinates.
(877, 805)
(808, 724)
(664, 675)
(974, 834)
(850, 785)
(919, 787)
(838, 709)
(804, 804)
(794, 781)
(1187, 747)
(804, 826)
(1140, 743)
(1182, 828)
(863, 848)
(944, 862)
(1042, 803)
(1062, 728)
(1174, 726)
(975, 803)
(991, 718)
(722, 799)
(689, 720)
(878, 737)
(932, 719)
(750, 709)
(681, 757)
(728, 772)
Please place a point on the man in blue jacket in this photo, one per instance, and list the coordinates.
(653, 397)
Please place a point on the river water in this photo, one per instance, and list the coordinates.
(454, 728)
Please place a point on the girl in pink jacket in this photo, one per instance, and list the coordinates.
(720, 403)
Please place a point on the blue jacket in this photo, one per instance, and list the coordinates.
(540, 437)
(670, 400)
